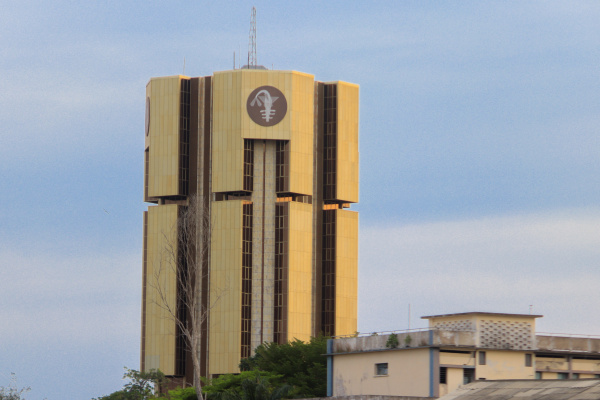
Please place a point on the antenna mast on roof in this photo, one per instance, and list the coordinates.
(252, 41)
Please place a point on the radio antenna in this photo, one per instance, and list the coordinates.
(252, 63)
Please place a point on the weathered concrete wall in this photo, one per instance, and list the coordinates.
(417, 339)
(591, 345)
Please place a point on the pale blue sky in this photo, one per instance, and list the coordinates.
(479, 135)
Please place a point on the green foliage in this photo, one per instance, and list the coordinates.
(301, 365)
(392, 341)
(232, 383)
(249, 385)
(188, 393)
(407, 340)
(11, 392)
(140, 386)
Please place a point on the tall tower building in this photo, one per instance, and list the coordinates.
(271, 160)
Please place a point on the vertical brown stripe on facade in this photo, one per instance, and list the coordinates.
(329, 272)
(146, 173)
(184, 137)
(281, 278)
(282, 157)
(144, 283)
(194, 134)
(204, 107)
(286, 270)
(262, 255)
(330, 142)
(317, 208)
(246, 335)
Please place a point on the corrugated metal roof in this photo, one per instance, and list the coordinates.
(580, 389)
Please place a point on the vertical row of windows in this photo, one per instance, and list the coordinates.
(246, 280)
(328, 274)
(281, 227)
(248, 164)
(330, 142)
(281, 167)
(184, 137)
(183, 296)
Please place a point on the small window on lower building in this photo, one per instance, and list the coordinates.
(597, 376)
(443, 375)
(538, 375)
(529, 360)
(468, 375)
(575, 375)
(482, 358)
(381, 369)
(562, 375)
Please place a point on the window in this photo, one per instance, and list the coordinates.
(443, 375)
(468, 375)
(575, 375)
(482, 358)
(528, 360)
(381, 369)
(538, 375)
(562, 375)
(597, 376)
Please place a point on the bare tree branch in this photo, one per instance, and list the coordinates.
(183, 256)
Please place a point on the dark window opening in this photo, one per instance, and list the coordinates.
(468, 376)
(443, 375)
(381, 369)
(482, 357)
(528, 360)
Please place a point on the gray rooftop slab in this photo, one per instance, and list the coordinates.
(584, 389)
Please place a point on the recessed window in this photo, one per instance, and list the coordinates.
(482, 358)
(575, 375)
(443, 375)
(468, 375)
(538, 375)
(528, 360)
(381, 369)
(562, 375)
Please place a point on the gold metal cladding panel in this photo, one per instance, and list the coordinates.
(301, 141)
(347, 142)
(161, 275)
(225, 287)
(163, 136)
(300, 272)
(228, 144)
(346, 272)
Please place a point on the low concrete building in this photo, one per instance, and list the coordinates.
(454, 350)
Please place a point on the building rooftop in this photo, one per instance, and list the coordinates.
(588, 389)
(483, 313)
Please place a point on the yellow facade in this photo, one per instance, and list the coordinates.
(205, 142)
(407, 374)
(347, 146)
(300, 272)
(225, 291)
(164, 136)
(161, 288)
(346, 302)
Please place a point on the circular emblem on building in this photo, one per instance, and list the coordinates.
(266, 106)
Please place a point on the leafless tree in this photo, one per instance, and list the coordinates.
(183, 257)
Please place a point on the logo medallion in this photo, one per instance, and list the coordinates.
(266, 106)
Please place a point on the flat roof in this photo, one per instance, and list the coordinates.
(484, 313)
